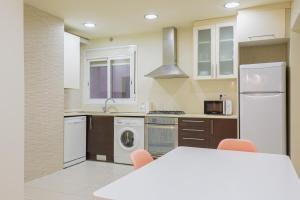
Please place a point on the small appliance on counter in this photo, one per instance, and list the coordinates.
(218, 107)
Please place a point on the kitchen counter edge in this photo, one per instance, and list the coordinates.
(133, 114)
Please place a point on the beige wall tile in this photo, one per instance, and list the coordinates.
(44, 95)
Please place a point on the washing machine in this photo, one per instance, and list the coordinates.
(128, 137)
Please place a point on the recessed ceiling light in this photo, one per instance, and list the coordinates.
(232, 4)
(89, 25)
(151, 16)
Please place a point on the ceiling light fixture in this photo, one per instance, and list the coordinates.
(232, 4)
(151, 16)
(89, 25)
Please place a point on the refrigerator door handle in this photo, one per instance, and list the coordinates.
(258, 93)
(270, 94)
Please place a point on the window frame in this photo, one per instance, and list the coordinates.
(132, 56)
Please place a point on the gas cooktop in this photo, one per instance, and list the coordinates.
(167, 112)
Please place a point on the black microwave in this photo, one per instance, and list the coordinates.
(218, 107)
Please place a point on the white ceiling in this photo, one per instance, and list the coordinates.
(119, 17)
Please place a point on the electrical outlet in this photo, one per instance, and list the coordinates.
(101, 157)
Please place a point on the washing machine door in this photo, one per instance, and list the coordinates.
(128, 139)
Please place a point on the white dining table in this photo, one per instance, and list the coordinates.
(188, 173)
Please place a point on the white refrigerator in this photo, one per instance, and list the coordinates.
(263, 106)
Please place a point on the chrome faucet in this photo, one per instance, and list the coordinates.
(106, 101)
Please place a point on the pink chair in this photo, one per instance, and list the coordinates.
(237, 145)
(140, 158)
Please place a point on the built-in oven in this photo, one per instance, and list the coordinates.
(161, 135)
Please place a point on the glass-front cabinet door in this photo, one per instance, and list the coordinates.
(204, 52)
(225, 51)
(215, 51)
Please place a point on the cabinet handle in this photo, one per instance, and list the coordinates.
(75, 122)
(198, 139)
(91, 123)
(212, 127)
(194, 130)
(258, 36)
(193, 121)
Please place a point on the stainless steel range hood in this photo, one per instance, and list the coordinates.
(169, 69)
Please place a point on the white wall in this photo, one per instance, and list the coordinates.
(11, 100)
(44, 94)
(185, 94)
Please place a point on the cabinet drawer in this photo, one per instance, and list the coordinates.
(194, 134)
(194, 131)
(194, 123)
(189, 140)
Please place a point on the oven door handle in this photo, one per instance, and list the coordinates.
(161, 126)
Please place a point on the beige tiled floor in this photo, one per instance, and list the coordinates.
(75, 183)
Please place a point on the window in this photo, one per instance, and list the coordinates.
(111, 75)
(120, 73)
(98, 80)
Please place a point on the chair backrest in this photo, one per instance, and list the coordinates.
(237, 145)
(140, 158)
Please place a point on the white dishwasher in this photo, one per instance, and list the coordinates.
(74, 140)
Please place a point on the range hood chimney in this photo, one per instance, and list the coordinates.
(169, 69)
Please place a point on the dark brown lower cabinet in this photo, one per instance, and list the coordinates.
(205, 133)
(100, 138)
(195, 132)
(223, 129)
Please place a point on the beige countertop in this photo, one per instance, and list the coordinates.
(79, 113)
(137, 114)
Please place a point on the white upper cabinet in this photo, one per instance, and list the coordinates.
(215, 51)
(204, 52)
(263, 23)
(71, 61)
(226, 51)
